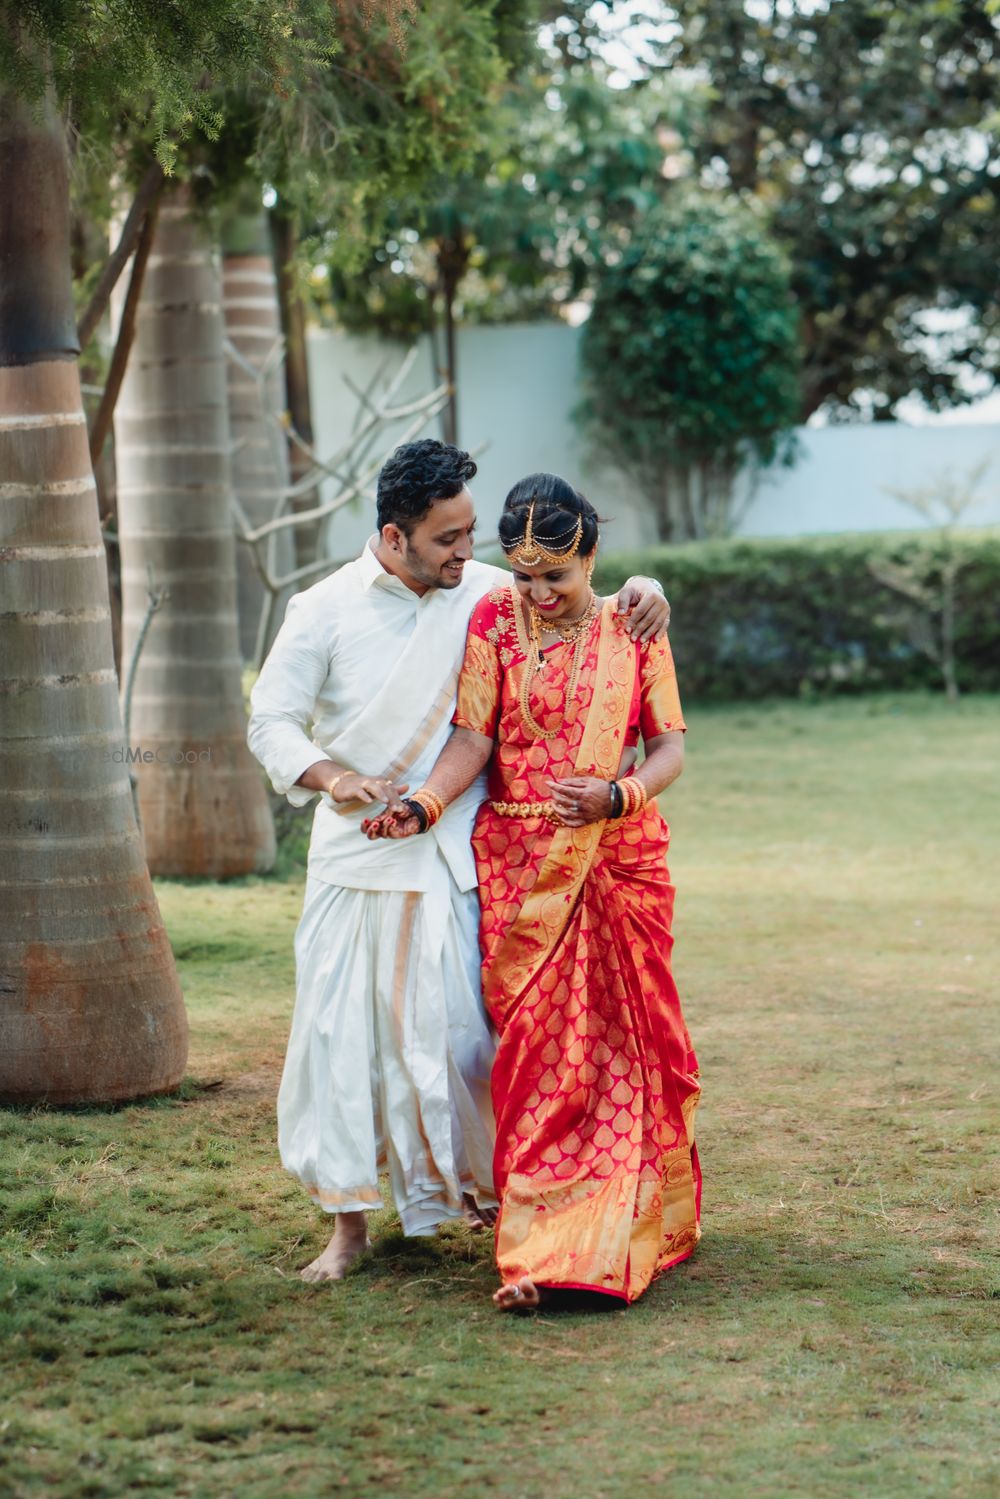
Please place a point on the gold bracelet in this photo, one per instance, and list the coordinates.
(336, 781)
(636, 794)
(431, 803)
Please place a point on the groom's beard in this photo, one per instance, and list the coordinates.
(430, 574)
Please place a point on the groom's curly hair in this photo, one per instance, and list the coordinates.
(417, 474)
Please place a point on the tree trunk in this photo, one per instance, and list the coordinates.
(691, 500)
(203, 804)
(453, 262)
(91, 1007)
(949, 610)
(297, 391)
(449, 416)
(260, 451)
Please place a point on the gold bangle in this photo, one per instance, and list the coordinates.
(431, 803)
(636, 793)
(335, 782)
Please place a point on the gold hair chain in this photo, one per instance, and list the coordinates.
(530, 551)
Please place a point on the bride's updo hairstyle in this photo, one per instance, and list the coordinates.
(556, 510)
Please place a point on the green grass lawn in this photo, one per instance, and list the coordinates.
(835, 1335)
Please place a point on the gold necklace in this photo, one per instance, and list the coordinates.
(577, 632)
(569, 631)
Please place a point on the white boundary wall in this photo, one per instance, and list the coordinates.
(517, 390)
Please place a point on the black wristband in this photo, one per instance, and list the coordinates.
(419, 811)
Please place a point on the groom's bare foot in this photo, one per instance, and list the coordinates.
(350, 1238)
(519, 1296)
(476, 1217)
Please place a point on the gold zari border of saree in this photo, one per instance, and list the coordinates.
(542, 919)
(611, 1235)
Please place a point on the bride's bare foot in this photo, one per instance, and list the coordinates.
(519, 1296)
(476, 1217)
(350, 1238)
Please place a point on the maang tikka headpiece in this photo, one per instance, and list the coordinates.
(531, 551)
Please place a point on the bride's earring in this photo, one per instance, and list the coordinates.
(588, 566)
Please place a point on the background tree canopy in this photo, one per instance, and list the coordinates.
(868, 130)
(690, 358)
(865, 132)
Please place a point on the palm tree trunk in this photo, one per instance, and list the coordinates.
(91, 1009)
(260, 450)
(203, 804)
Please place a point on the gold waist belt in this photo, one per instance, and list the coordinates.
(527, 809)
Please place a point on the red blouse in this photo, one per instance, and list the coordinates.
(489, 690)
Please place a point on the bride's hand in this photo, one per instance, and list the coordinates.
(392, 823)
(581, 799)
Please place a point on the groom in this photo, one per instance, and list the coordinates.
(389, 1055)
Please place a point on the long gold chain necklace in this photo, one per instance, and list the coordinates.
(576, 632)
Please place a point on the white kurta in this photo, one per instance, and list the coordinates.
(389, 1055)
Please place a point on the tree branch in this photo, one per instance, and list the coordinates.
(155, 599)
(147, 191)
(126, 333)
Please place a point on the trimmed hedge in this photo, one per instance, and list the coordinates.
(760, 618)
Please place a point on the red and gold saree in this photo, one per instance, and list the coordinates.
(595, 1082)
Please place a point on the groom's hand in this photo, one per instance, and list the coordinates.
(357, 788)
(644, 609)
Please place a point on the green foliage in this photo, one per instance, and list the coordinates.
(868, 130)
(865, 132)
(693, 332)
(602, 158)
(690, 357)
(386, 120)
(758, 618)
(335, 105)
(476, 238)
(159, 65)
(568, 166)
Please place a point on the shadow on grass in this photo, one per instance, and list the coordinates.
(188, 1090)
(784, 1277)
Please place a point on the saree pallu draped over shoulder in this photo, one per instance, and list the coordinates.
(595, 1082)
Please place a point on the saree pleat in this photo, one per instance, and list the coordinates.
(595, 1082)
(595, 1086)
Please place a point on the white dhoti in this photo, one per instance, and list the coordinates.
(390, 1053)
